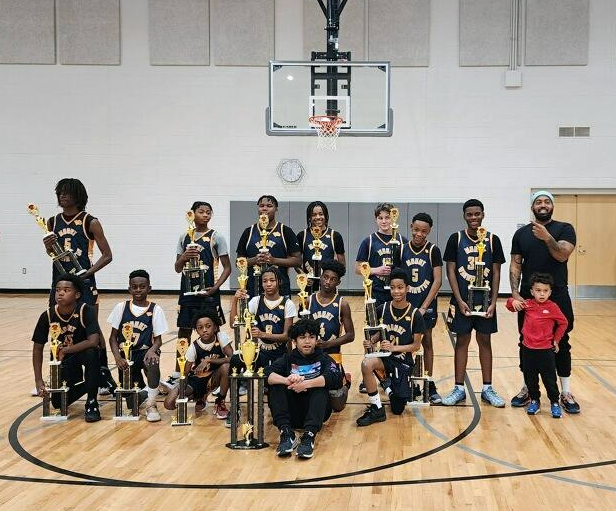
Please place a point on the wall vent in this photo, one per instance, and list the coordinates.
(574, 131)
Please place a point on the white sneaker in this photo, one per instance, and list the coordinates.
(103, 391)
(151, 412)
(34, 392)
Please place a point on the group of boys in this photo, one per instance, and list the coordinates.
(308, 382)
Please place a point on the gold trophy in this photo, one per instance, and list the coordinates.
(371, 322)
(194, 270)
(479, 289)
(419, 374)
(263, 223)
(302, 282)
(131, 392)
(317, 256)
(181, 414)
(55, 385)
(242, 267)
(249, 350)
(57, 253)
(394, 245)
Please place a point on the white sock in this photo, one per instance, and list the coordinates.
(375, 400)
(388, 391)
(152, 393)
(175, 374)
(486, 386)
(565, 385)
(459, 387)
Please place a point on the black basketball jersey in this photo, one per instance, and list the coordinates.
(277, 246)
(466, 257)
(399, 326)
(206, 256)
(73, 327)
(328, 317)
(328, 250)
(380, 248)
(143, 325)
(419, 265)
(271, 320)
(72, 234)
(201, 353)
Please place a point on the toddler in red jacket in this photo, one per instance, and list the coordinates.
(544, 326)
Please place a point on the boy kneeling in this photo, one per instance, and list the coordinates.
(300, 382)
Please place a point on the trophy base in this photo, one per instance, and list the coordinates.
(55, 418)
(122, 418)
(304, 313)
(188, 423)
(378, 354)
(479, 314)
(387, 288)
(417, 404)
(242, 445)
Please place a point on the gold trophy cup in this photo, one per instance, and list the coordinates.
(394, 244)
(131, 392)
(249, 350)
(181, 415)
(479, 289)
(194, 270)
(302, 282)
(241, 264)
(55, 385)
(57, 253)
(317, 256)
(263, 223)
(371, 322)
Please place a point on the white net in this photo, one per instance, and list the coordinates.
(328, 129)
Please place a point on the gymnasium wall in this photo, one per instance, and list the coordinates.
(147, 139)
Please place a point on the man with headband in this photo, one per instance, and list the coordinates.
(544, 246)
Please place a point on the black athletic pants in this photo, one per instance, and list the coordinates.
(304, 410)
(72, 370)
(563, 357)
(540, 362)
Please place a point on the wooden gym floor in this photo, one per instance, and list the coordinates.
(428, 458)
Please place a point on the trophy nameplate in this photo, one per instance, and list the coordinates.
(479, 289)
(125, 390)
(181, 413)
(302, 282)
(55, 385)
(194, 270)
(57, 253)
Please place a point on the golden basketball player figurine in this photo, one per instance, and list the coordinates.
(302, 282)
(364, 268)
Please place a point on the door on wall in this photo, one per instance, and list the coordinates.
(592, 266)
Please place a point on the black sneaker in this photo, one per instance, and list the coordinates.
(362, 388)
(569, 403)
(92, 414)
(306, 446)
(372, 415)
(288, 441)
(386, 384)
(433, 395)
(521, 398)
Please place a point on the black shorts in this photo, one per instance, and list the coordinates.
(89, 295)
(187, 312)
(138, 367)
(200, 385)
(430, 318)
(399, 371)
(461, 324)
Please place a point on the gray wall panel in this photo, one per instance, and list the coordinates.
(485, 32)
(89, 31)
(449, 221)
(557, 32)
(179, 32)
(399, 31)
(242, 32)
(27, 32)
(352, 29)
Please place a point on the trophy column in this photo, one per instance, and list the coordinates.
(181, 414)
(479, 290)
(394, 245)
(126, 390)
(371, 323)
(246, 438)
(302, 283)
(55, 385)
(419, 375)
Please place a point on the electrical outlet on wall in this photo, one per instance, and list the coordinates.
(23, 270)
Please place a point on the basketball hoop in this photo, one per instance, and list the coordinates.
(328, 129)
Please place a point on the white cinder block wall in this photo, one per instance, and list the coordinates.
(147, 141)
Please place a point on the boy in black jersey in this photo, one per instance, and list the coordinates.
(298, 394)
(76, 229)
(207, 365)
(79, 347)
(404, 328)
(149, 324)
(333, 314)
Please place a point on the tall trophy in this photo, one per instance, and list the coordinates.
(302, 282)
(249, 350)
(194, 270)
(55, 385)
(181, 414)
(479, 289)
(242, 304)
(394, 245)
(57, 253)
(317, 245)
(258, 269)
(126, 390)
(371, 323)
(419, 375)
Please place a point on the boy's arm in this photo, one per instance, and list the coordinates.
(151, 356)
(91, 342)
(275, 370)
(453, 282)
(103, 245)
(226, 271)
(496, 268)
(277, 338)
(115, 347)
(349, 329)
(437, 281)
(561, 323)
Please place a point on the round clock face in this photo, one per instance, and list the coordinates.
(291, 171)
